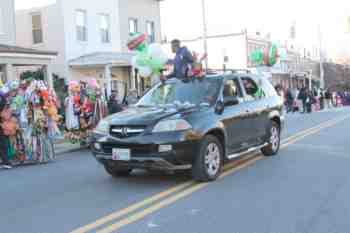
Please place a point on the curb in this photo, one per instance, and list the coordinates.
(72, 150)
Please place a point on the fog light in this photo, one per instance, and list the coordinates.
(165, 148)
(97, 146)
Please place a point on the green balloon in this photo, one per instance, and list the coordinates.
(257, 56)
(273, 55)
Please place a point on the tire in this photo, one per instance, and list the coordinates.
(116, 171)
(274, 142)
(208, 168)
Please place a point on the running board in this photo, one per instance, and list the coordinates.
(246, 152)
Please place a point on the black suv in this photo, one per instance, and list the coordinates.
(197, 124)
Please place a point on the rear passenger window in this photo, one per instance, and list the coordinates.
(268, 88)
(253, 89)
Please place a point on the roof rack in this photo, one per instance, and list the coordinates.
(232, 71)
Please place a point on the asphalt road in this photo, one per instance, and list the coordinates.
(302, 190)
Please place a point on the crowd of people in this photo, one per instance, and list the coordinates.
(304, 100)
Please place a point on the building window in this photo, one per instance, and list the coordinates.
(105, 28)
(37, 29)
(150, 32)
(81, 24)
(133, 26)
(1, 22)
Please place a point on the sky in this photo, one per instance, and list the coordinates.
(182, 19)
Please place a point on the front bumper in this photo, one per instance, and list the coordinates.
(145, 151)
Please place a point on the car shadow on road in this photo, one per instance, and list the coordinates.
(140, 177)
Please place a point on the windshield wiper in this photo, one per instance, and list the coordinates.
(204, 104)
(145, 106)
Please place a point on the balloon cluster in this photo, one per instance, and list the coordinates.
(267, 56)
(93, 90)
(45, 97)
(9, 86)
(149, 59)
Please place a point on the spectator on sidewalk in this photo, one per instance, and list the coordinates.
(328, 98)
(310, 100)
(303, 96)
(3, 138)
(113, 104)
(289, 101)
(322, 99)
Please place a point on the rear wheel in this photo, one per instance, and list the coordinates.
(209, 161)
(117, 171)
(275, 140)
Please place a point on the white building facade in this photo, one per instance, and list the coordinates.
(14, 58)
(90, 37)
(7, 22)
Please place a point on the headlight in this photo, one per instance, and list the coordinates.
(102, 127)
(171, 125)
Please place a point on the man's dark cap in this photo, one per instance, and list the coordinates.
(176, 42)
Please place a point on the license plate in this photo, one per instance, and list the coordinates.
(121, 154)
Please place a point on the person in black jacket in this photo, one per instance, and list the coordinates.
(113, 105)
(303, 96)
(3, 138)
(289, 101)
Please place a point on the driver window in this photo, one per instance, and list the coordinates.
(231, 89)
(253, 90)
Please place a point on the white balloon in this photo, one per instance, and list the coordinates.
(5, 89)
(145, 71)
(156, 52)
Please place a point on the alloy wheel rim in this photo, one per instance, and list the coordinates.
(275, 138)
(212, 159)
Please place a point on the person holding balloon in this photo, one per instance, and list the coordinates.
(183, 61)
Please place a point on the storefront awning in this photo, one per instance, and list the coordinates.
(103, 59)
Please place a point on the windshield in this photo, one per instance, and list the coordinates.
(174, 91)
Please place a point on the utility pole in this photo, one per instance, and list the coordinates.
(322, 84)
(310, 80)
(205, 34)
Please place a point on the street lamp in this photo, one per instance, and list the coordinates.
(205, 34)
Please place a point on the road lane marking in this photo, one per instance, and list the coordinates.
(314, 131)
(168, 201)
(313, 128)
(134, 207)
(198, 186)
(190, 185)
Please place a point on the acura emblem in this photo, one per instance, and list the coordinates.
(125, 132)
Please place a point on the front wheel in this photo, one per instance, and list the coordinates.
(209, 162)
(116, 171)
(275, 140)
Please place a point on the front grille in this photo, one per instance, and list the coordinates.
(126, 131)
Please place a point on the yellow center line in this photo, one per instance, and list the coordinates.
(198, 186)
(228, 169)
(313, 128)
(132, 208)
(166, 202)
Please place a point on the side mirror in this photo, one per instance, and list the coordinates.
(219, 107)
(231, 101)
